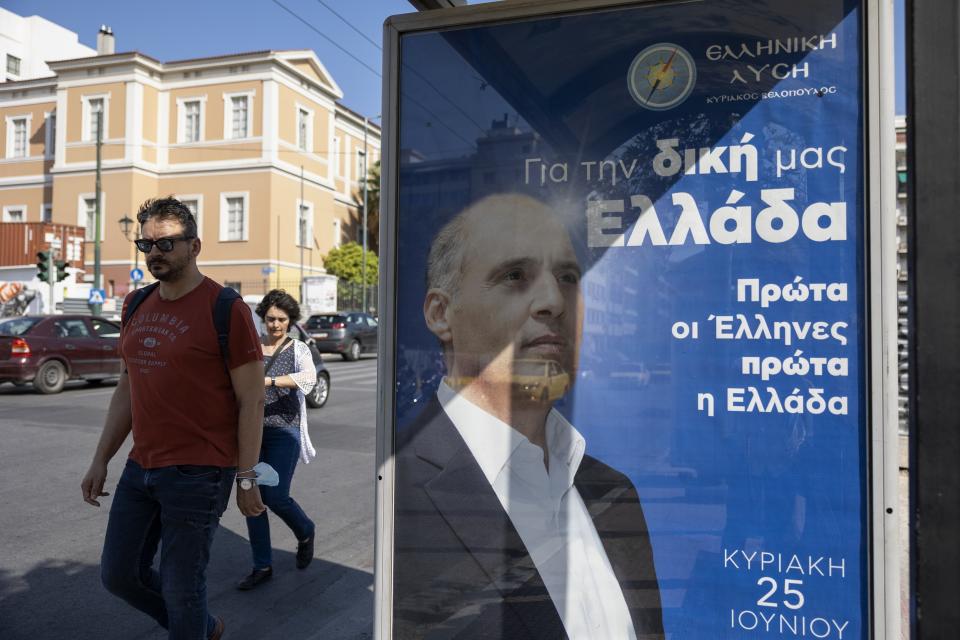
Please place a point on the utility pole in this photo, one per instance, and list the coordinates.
(51, 278)
(136, 253)
(96, 223)
(302, 234)
(363, 265)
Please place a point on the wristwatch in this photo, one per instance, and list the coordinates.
(273, 381)
(246, 483)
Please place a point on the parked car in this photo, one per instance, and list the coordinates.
(49, 350)
(543, 379)
(347, 333)
(321, 392)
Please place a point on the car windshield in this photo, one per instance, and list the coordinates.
(17, 326)
(324, 322)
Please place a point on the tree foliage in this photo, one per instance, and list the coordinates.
(373, 204)
(346, 262)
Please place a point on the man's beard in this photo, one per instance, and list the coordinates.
(172, 273)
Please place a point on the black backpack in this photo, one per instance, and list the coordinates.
(221, 314)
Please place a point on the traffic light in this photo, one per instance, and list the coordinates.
(61, 266)
(43, 274)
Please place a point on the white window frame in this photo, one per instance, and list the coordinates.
(198, 198)
(19, 71)
(224, 218)
(11, 135)
(298, 241)
(228, 114)
(337, 164)
(309, 113)
(8, 209)
(82, 213)
(86, 129)
(50, 133)
(337, 233)
(361, 175)
(182, 119)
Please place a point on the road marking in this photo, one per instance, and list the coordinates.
(354, 376)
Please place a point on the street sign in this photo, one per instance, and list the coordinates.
(267, 270)
(96, 296)
(136, 275)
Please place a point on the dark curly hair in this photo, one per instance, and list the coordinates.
(281, 300)
(168, 208)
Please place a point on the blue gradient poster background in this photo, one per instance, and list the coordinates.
(738, 417)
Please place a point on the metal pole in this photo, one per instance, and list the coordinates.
(136, 253)
(95, 308)
(933, 196)
(52, 278)
(302, 233)
(363, 267)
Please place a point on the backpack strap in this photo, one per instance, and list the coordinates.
(138, 297)
(221, 320)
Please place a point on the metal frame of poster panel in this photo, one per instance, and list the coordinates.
(879, 377)
(889, 609)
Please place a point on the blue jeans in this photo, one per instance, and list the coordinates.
(179, 508)
(280, 449)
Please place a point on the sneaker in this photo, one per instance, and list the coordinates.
(304, 552)
(256, 578)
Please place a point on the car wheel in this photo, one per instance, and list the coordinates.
(353, 352)
(318, 397)
(51, 377)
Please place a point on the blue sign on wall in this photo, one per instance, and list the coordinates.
(698, 325)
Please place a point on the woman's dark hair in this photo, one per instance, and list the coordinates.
(281, 300)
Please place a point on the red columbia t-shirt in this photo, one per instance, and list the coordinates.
(183, 405)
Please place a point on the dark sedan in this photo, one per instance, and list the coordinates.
(49, 350)
(347, 333)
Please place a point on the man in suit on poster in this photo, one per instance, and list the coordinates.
(504, 527)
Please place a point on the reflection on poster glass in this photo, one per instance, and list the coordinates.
(630, 326)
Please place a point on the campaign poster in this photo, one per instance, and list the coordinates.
(629, 308)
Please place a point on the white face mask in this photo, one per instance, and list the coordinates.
(266, 475)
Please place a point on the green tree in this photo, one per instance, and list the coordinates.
(346, 262)
(373, 205)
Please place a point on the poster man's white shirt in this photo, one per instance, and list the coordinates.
(548, 514)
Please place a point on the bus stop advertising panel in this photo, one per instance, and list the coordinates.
(627, 378)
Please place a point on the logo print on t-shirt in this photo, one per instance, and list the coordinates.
(153, 331)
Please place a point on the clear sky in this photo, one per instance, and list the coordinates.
(178, 29)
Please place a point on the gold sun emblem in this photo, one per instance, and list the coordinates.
(661, 75)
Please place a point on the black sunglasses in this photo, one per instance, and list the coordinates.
(164, 244)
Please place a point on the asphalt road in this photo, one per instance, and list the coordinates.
(50, 540)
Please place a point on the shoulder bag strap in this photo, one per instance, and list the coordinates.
(276, 352)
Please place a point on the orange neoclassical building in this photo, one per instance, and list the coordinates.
(237, 137)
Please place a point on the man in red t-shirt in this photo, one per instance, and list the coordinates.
(194, 419)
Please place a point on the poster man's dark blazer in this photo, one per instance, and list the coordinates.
(460, 567)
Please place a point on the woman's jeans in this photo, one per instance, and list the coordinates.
(179, 508)
(281, 450)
